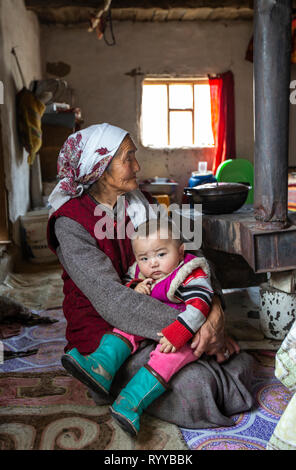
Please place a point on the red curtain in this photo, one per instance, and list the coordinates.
(223, 117)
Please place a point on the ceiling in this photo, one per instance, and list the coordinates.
(73, 12)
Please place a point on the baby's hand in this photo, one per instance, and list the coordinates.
(144, 287)
(166, 346)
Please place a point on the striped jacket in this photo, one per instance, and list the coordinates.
(187, 289)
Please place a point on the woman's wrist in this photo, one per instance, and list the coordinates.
(216, 316)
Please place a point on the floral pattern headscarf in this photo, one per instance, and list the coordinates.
(83, 159)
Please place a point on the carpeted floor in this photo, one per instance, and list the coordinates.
(35, 290)
(53, 411)
(48, 339)
(251, 430)
(40, 379)
(43, 407)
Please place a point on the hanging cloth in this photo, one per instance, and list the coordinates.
(223, 117)
(29, 113)
(29, 110)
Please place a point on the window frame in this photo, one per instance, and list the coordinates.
(179, 81)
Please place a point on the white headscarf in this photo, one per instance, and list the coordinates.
(83, 159)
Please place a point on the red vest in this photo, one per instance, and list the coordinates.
(85, 326)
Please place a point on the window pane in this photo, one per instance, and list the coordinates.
(180, 128)
(154, 116)
(202, 116)
(181, 96)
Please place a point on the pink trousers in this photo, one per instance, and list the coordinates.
(165, 364)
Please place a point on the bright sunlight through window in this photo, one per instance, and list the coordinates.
(176, 114)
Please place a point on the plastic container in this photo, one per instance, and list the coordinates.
(198, 178)
(238, 170)
(202, 167)
(34, 238)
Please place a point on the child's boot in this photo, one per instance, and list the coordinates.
(139, 393)
(97, 370)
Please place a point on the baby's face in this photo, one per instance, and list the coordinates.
(157, 257)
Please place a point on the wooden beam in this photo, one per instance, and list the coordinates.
(163, 4)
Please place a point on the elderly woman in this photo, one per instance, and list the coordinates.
(96, 167)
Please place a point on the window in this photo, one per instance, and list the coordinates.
(176, 113)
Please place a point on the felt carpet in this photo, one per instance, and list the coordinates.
(65, 403)
(251, 430)
(53, 411)
(35, 290)
(48, 339)
(28, 387)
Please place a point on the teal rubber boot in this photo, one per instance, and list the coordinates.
(139, 393)
(97, 370)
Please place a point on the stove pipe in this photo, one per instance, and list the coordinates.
(272, 51)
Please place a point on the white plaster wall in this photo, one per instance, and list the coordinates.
(18, 28)
(106, 94)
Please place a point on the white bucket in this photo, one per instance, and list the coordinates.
(34, 236)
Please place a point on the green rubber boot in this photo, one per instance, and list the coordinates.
(139, 393)
(97, 370)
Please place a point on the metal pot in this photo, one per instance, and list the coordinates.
(218, 198)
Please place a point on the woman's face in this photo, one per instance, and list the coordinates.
(121, 173)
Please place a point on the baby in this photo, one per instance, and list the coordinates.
(163, 271)
(159, 255)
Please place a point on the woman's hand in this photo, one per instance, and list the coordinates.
(210, 337)
(144, 287)
(230, 347)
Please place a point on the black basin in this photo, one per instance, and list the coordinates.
(218, 198)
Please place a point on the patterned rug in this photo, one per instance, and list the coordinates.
(36, 290)
(53, 411)
(48, 339)
(251, 430)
